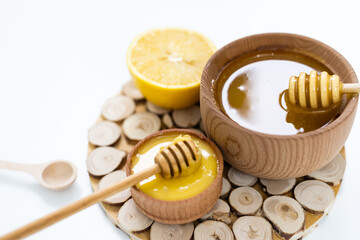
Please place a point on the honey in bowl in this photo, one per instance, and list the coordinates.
(184, 186)
(251, 91)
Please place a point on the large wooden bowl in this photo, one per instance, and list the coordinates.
(182, 211)
(276, 156)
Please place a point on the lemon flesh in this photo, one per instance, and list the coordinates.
(167, 64)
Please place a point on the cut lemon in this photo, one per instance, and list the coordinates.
(166, 65)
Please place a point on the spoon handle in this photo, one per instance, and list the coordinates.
(79, 205)
(351, 88)
(28, 168)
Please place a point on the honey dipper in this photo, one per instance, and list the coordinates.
(171, 161)
(318, 90)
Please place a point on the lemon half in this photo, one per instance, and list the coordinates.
(166, 65)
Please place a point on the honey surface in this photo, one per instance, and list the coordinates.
(248, 91)
(181, 187)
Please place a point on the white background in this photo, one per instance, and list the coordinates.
(60, 60)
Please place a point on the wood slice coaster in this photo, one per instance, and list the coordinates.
(312, 218)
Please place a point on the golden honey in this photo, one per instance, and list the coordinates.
(248, 90)
(184, 186)
(314, 90)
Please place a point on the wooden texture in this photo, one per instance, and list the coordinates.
(351, 88)
(174, 159)
(276, 156)
(55, 175)
(182, 211)
(316, 90)
(311, 220)
(79, 205)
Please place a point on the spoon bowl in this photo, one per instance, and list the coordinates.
(58, 175)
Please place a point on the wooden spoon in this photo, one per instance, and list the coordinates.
(177, 159)
(318, 90)
(55, 175)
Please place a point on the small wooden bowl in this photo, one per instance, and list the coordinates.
(182, 211)
(276, 156)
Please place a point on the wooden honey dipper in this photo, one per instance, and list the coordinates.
(318, 90)
(171, 161)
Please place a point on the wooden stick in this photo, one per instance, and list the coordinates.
(351, 88)
(79, 205)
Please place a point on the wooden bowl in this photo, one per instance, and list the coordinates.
(276, 156)
(182, 211)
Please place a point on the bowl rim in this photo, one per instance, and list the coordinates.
(181, 131)
(346, 113)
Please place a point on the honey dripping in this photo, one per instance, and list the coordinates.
(307, 119)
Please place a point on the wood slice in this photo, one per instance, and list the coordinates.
(113, 178)
(118, 108)
(124, 144)
(314, 195)
(220, 212)
(140, 125)
(156, 109)
(104, 133)
(130, 90)
(131, 219)
(187, 117)
(245, 201)
(160, 231)
(213, 230)
(167, 121)
(252, 228)
(331, 173)
(225, 189)
(278, 187)
(241, 179)
(104, 160)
